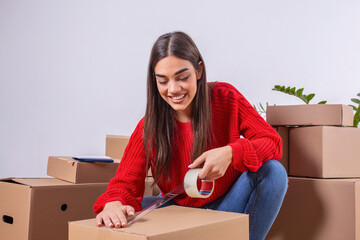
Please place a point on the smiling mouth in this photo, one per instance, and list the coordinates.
(178, 97)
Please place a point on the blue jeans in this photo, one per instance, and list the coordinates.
(259, 194)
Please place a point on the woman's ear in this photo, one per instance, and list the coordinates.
(199, 70)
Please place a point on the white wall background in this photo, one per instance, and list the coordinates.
(73, 71)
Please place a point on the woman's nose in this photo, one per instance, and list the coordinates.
(174, 87)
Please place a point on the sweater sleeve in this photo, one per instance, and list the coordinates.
(129, 183)
(259, 142)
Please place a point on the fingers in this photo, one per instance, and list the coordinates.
(99, 220)
(107, 221)
(212, 176)
(115, 217)
(216, 162)
(112, 219)
(130, 211)
(206, 168)
(204, 172)
(122, 220)
(116, 220)
(211, 171)
(198, 161)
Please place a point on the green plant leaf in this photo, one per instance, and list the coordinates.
(357, 114)
(309, 97)
(356, 119)
(355, 100)
(299, 92)
(292, 90)
(262, 107)
(322, 102)
(355, 108)
(303, 97)
(358, 94)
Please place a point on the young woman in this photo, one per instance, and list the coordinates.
(190, 123)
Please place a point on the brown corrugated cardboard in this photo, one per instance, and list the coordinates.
(318, 209)
(66, 168)
(324, 152)
(39, 209)
(115, 146)
(173, 222)
(150, 189)
(311, 114)
(284, 134)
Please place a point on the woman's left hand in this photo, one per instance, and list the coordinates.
(216, 161)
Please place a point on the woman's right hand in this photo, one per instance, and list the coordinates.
(114, 215)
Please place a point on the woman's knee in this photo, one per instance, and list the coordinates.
(275, 172)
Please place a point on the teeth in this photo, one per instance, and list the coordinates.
(178, 97)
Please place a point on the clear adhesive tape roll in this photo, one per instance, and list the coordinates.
(191, 186)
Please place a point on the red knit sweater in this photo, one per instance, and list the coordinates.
(232, 116)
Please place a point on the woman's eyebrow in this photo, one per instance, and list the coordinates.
(178, 72)
(160, 75)
(182, 70)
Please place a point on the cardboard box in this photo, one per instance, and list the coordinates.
(66, 168)
(310, 115)
(173, 222)
(115, 146)
(150, 189)
(318, 209)
(39, 209)
(324, 152)
(284, 134)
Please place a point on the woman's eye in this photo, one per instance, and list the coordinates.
(162, 82)
(184, 79)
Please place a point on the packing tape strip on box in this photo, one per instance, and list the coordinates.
(190, 186)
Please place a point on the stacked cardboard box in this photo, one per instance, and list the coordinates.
(40, 208)
(115, 146)
(324, 169)
(68, 169)
(65, 168)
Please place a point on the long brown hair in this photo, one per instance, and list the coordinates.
(159, 123)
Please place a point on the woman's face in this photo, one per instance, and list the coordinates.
(176, 80)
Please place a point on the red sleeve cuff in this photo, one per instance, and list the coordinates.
(244, 156)
(134, 202)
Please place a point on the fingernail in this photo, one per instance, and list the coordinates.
(131, 213)
(123, 223)
(117, 224)
(110, 224)
(189, 165)
(99, 224)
